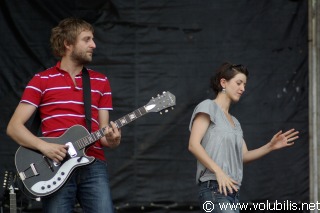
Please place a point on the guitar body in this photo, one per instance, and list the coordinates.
(40, 175)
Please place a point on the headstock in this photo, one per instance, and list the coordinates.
(8, 179)
(161, 102)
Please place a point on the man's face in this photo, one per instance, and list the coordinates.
(83, 48)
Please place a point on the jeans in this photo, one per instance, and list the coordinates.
(89, 185)
(211, 200)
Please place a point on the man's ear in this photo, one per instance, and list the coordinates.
(67, 46)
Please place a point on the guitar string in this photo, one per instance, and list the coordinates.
(83, 142)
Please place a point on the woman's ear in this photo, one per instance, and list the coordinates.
(223, 82)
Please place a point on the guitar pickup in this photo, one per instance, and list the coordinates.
(71, 150)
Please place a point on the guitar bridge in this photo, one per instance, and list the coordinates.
(23, 175)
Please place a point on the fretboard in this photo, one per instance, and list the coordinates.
(13, 203)
(93, 137)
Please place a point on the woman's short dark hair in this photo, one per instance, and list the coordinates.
(226, 71)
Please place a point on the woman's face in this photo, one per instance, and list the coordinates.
(235, 87)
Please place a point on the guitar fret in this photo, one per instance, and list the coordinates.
(85, 141)
(90, 139)
(94, 136)
(137, 114)
(101, 133)
(97, 135)
(130, 117)
(13, 201)
(118, 124)
(80, 143)
(142, 111)
(77, 143)
(123, 121)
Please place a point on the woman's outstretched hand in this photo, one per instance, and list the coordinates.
(281, 140)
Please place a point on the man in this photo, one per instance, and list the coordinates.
(58, 95)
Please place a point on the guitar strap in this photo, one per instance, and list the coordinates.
(36, 121)
(87, 96)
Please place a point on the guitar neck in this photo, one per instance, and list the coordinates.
(93, 137)
(130, 117)
(13, 201)
(157, 104)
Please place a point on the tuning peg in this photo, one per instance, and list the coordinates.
(166, 111)
(172, 108)
(160, 113)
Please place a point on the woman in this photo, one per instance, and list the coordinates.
(216, 140)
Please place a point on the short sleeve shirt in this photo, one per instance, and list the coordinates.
(222, 141)
(60, 102)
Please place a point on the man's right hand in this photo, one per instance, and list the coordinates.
(56, 152)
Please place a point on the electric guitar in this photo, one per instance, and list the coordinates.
(41, 176)
(13, 200)
(8, 186)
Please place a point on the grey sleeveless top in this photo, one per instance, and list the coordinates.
(222, 142)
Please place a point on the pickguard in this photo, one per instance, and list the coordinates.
(45, 187)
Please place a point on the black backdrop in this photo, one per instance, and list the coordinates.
(146, 47)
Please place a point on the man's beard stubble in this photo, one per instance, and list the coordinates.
(81, 57)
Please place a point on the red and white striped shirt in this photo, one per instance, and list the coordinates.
(61, 105)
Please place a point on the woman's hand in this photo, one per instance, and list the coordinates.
(226, 184)
(281, 140)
